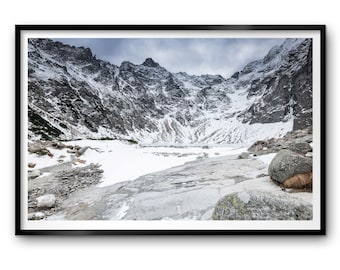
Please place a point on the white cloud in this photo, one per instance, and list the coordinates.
(194, 56)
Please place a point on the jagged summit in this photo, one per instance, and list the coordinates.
(149, 62)
(71, 95)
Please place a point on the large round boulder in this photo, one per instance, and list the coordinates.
(287, 164)
(261, 205)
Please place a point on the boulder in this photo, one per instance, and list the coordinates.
(261, 205)
(301, 147)
(46, 201)
(287, 164)
(31, 165)
(35, 216)
(243, 155)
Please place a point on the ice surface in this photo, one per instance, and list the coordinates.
(122, 162)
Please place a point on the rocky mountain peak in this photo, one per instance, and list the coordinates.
(149, 62)
(74, 95)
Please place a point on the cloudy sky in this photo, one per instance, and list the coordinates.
(197, 56)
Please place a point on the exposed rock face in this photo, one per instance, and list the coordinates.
(260, 205)
(284, 80)
(287, 164)
(72, 94)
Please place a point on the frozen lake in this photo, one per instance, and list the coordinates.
(122, 162)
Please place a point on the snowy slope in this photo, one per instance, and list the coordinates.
(73, 95)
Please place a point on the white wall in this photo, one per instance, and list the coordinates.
(166, 252)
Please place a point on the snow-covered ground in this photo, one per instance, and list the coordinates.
(122, 162)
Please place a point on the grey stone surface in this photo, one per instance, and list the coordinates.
(189, 191)
(287, 164)
(260, 205)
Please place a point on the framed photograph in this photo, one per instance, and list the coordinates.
(170, 129)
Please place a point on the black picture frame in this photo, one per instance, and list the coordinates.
(20, 146)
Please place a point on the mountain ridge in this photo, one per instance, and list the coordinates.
(72, 95)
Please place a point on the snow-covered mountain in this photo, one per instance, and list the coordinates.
(73, 95)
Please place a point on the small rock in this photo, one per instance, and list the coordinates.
(31, 165)
(46, 201)
(58, 145)
(243, 155)
(82, 150)
(35, 216)
(300, 147)
(34, 174)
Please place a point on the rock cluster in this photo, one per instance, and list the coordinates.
(292, 168)
(45, 194)
(297, 141)
(41, 148)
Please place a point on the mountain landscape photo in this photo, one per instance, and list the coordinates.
(149, 141)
